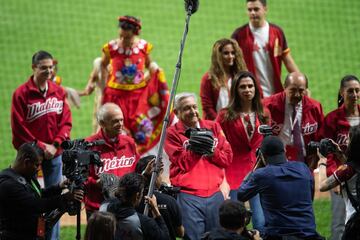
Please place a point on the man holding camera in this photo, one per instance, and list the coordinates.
(118, 154)
(198, 152)
(22, 201)
(285, 190)
(296, 118)
(39, 111)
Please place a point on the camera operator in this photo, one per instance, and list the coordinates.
(167, 204)
(23, 202)
(118, 154)
(347, 175)
(233, 218)
(285, 189)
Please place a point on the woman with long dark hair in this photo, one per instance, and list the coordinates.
(226, 61)
(240, 121)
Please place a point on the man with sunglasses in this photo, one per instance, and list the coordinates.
(39, 111)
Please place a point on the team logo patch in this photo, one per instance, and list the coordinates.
(115, 163)
(38, 109)
(310, 128)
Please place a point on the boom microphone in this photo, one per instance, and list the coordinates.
(194, 4)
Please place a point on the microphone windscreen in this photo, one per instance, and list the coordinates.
(194, 4)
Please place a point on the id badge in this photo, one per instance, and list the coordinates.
(41, 227)
(292, 153)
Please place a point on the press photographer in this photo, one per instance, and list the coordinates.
(285, 190)
(22, 202)
(347, 175)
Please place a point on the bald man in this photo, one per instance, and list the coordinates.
(118, 154)
(296, 118)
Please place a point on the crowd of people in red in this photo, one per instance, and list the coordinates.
(215, 162)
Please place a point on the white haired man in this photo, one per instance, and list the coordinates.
(199, 172)
(118, 154)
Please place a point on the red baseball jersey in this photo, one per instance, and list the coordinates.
(119, 157)
(336, 127)
(196, 174)
(34, 116)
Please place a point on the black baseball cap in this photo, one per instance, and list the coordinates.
(273, 150)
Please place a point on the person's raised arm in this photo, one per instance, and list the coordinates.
(326, 183)
(290, 63)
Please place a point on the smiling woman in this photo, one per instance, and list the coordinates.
(226, 61)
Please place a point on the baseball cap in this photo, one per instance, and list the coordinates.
(273, 150)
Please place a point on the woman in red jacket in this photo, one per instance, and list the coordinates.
(240, 121)
(226, 61)
(336, 126)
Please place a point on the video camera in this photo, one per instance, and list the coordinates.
(264, 130)
(325, 147)
(169, 190)
(76, 164)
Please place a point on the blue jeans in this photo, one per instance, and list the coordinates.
(257, 218)
(199, 214)
(52, 170)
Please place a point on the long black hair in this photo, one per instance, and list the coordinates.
(352, 152)
(234, 106)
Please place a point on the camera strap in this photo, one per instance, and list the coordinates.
(35, 188)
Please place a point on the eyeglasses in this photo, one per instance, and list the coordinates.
(44, 67)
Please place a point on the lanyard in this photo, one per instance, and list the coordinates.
(34, 186)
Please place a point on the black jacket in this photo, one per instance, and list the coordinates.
(169, 210)
(222, 234)
(136, 226)
(21, 205)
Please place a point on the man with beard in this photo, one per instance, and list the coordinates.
(296, 118)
